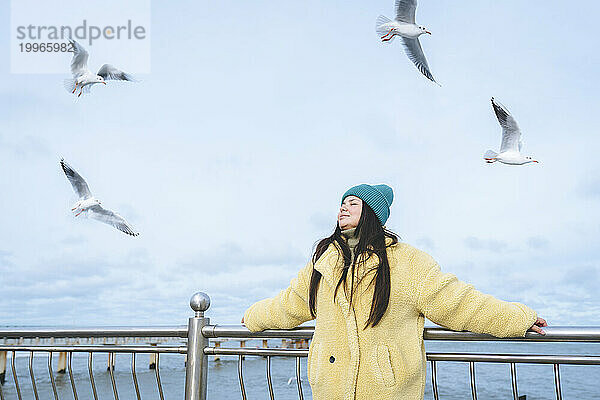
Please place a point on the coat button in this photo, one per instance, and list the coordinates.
(331, 359)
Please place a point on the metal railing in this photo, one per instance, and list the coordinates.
(85, 333)
(199, 332)
(553, 334)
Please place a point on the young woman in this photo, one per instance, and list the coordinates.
(370, 295)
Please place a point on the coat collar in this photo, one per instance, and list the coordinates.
(331, 263)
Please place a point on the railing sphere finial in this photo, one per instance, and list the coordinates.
(200, 303)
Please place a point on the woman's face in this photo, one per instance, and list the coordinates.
(350, 211)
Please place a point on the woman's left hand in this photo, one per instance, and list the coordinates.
(536, 326)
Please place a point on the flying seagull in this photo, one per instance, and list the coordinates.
(90, 205)
(512, 143)
(83, 78)
(404, 26)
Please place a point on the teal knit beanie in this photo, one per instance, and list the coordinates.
(378, 197)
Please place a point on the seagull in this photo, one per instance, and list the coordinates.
(88, 204)
(405, 27)
(512, 143)
(83, 78)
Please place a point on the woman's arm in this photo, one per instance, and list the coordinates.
(286, 310)
(459, 306)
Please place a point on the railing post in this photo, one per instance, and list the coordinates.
(2, 367)
(196, 372)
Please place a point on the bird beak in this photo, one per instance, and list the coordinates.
(104, 83)
(428, 32)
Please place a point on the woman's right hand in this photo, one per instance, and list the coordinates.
(536, 326)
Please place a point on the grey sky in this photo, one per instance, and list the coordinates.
(231, 155)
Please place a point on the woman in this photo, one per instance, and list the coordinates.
(368, 342)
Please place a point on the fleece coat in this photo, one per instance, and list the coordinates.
(385, 362)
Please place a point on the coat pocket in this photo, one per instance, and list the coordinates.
(314, 355)
(384, 373)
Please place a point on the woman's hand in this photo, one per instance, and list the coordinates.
(242, 320)
(536, 326)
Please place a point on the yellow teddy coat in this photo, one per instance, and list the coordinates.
(387, 361)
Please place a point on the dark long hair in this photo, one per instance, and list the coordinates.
(371, 242)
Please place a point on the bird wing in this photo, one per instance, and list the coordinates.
(415, 53)
(405, 10)
(111, 218)
(511, 134)
(80, 58)
(107, 71)
(79, 184)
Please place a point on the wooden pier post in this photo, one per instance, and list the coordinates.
(242, 345)
(265, 344)
(2, 367)
(62, 362)
(217, 345)
(152, 364)
(111, 363)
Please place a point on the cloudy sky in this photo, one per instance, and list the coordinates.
(231, 155)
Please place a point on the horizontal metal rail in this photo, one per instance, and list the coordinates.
(553, 334)
(97, 332)
(460, 357)
(515, 358)
(240, 331)
(589, 334)
(98, 349)
(246, 351)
